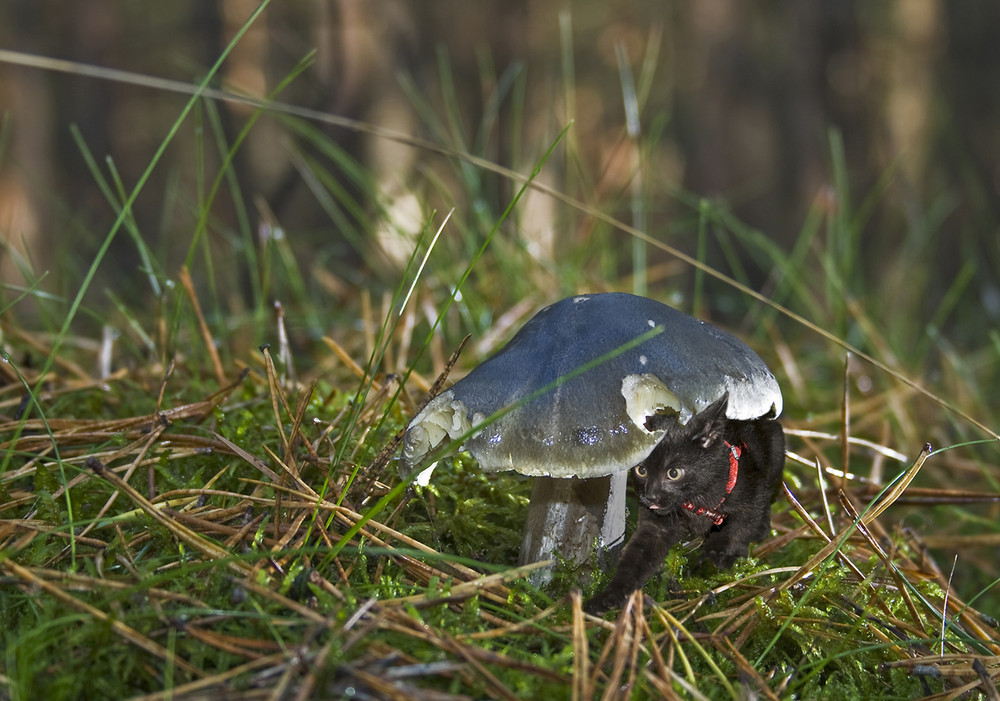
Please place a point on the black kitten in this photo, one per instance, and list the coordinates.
(686, 490)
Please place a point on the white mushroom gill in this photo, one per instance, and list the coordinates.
(443, 418)
(646, 395)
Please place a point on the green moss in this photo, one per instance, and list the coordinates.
(471, 514)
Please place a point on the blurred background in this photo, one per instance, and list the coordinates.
(736, 102)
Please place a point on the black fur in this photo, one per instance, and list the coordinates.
(699, 449)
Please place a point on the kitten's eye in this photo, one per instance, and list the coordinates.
(675, 473)
(640, 472)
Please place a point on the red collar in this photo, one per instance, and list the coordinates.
(734, 468)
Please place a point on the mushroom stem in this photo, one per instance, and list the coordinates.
(576, 519)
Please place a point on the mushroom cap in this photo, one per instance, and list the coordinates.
(576, 388)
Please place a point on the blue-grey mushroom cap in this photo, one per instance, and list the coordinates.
(573, 388)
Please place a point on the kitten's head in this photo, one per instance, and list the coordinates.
(690, 463)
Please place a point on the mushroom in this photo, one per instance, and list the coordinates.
(566, 402)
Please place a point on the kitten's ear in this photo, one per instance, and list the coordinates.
(708, 425)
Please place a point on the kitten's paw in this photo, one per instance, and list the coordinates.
(725, 554)
(597, 606)
(605, 601)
